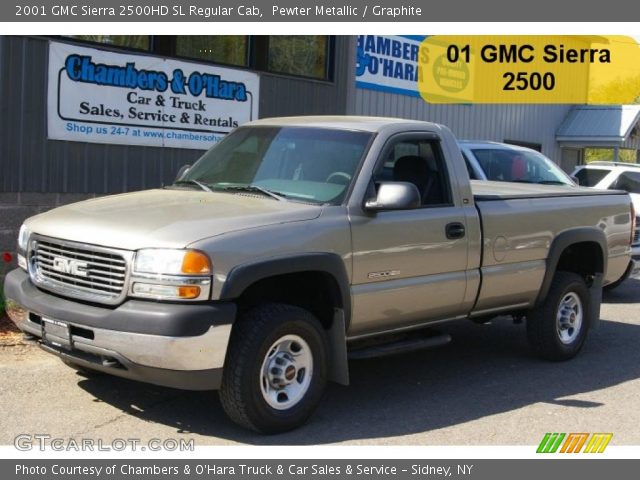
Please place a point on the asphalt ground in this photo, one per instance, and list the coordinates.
(484, 388)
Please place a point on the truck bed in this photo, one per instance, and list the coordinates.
(519, 222)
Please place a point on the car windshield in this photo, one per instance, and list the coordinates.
(307, 164)
(520, 166)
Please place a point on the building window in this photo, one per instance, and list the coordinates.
(608, 154)
(303, 55)
(138, 42)
(227, 49)
(306, 56)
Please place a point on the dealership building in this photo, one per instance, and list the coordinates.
(89, 115)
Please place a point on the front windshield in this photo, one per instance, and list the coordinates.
(307, 164)
(520, 166)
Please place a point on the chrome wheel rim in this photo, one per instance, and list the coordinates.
(286, 372)
(569, 318)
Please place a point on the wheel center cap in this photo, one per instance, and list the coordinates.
(290, 372)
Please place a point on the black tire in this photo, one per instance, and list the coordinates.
(543, 332)
(84, 372)
(253, 336)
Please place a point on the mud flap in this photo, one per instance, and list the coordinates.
(338, 362)
(595, 300)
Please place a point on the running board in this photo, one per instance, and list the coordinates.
(404, 344)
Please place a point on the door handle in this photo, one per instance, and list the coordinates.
(454, 230)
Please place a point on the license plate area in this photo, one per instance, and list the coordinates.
(56, 333)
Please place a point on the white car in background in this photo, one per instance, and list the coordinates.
(615, 176)
(510, 163)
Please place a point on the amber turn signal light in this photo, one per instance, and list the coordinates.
(196, 263)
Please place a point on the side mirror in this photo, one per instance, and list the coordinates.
(394, 196)
(182, 172)
(575, 179)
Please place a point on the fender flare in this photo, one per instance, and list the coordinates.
(561, 243)
(243, 276)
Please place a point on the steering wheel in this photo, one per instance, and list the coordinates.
(342, 177)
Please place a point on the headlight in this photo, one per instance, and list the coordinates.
(172, 262)
(23, 238)
(165, 274)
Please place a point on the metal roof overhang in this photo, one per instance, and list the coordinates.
(591, 125)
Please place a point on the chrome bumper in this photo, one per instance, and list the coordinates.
(201, 352)
(176, 345)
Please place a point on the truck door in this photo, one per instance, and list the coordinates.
(409, 266)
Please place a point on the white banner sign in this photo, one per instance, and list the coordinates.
(105, 97)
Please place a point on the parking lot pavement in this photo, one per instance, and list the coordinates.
(482, 389)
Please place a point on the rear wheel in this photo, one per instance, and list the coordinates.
(557, 329)
(275, 370)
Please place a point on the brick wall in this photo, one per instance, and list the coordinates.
(15, 208)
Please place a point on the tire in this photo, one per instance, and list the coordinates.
(276, 368)
(555, 335)
(84, 372)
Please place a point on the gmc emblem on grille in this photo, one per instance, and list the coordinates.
(71, 266)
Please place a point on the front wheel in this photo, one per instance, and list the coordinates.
(557, 328)
(275, 370)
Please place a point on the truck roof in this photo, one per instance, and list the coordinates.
(346, 122)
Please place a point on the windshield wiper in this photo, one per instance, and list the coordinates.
(256, 189)
(194, 182)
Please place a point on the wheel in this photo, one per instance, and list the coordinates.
(85, 372)
(610, 286)
(275, 370)
(557, 329)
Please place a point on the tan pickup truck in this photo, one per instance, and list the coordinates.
(297, 243)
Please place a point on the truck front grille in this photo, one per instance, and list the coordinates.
(80, 271)
(636, 237)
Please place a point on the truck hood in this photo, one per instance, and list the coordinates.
(165, 218)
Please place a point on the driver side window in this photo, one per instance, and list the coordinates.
(420, 162)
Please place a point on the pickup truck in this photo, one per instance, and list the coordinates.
(296, 244)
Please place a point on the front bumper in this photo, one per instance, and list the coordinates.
(175, 345)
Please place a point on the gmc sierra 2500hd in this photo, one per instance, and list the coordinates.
(297, 242)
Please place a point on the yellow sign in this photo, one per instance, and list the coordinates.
(529, 69)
